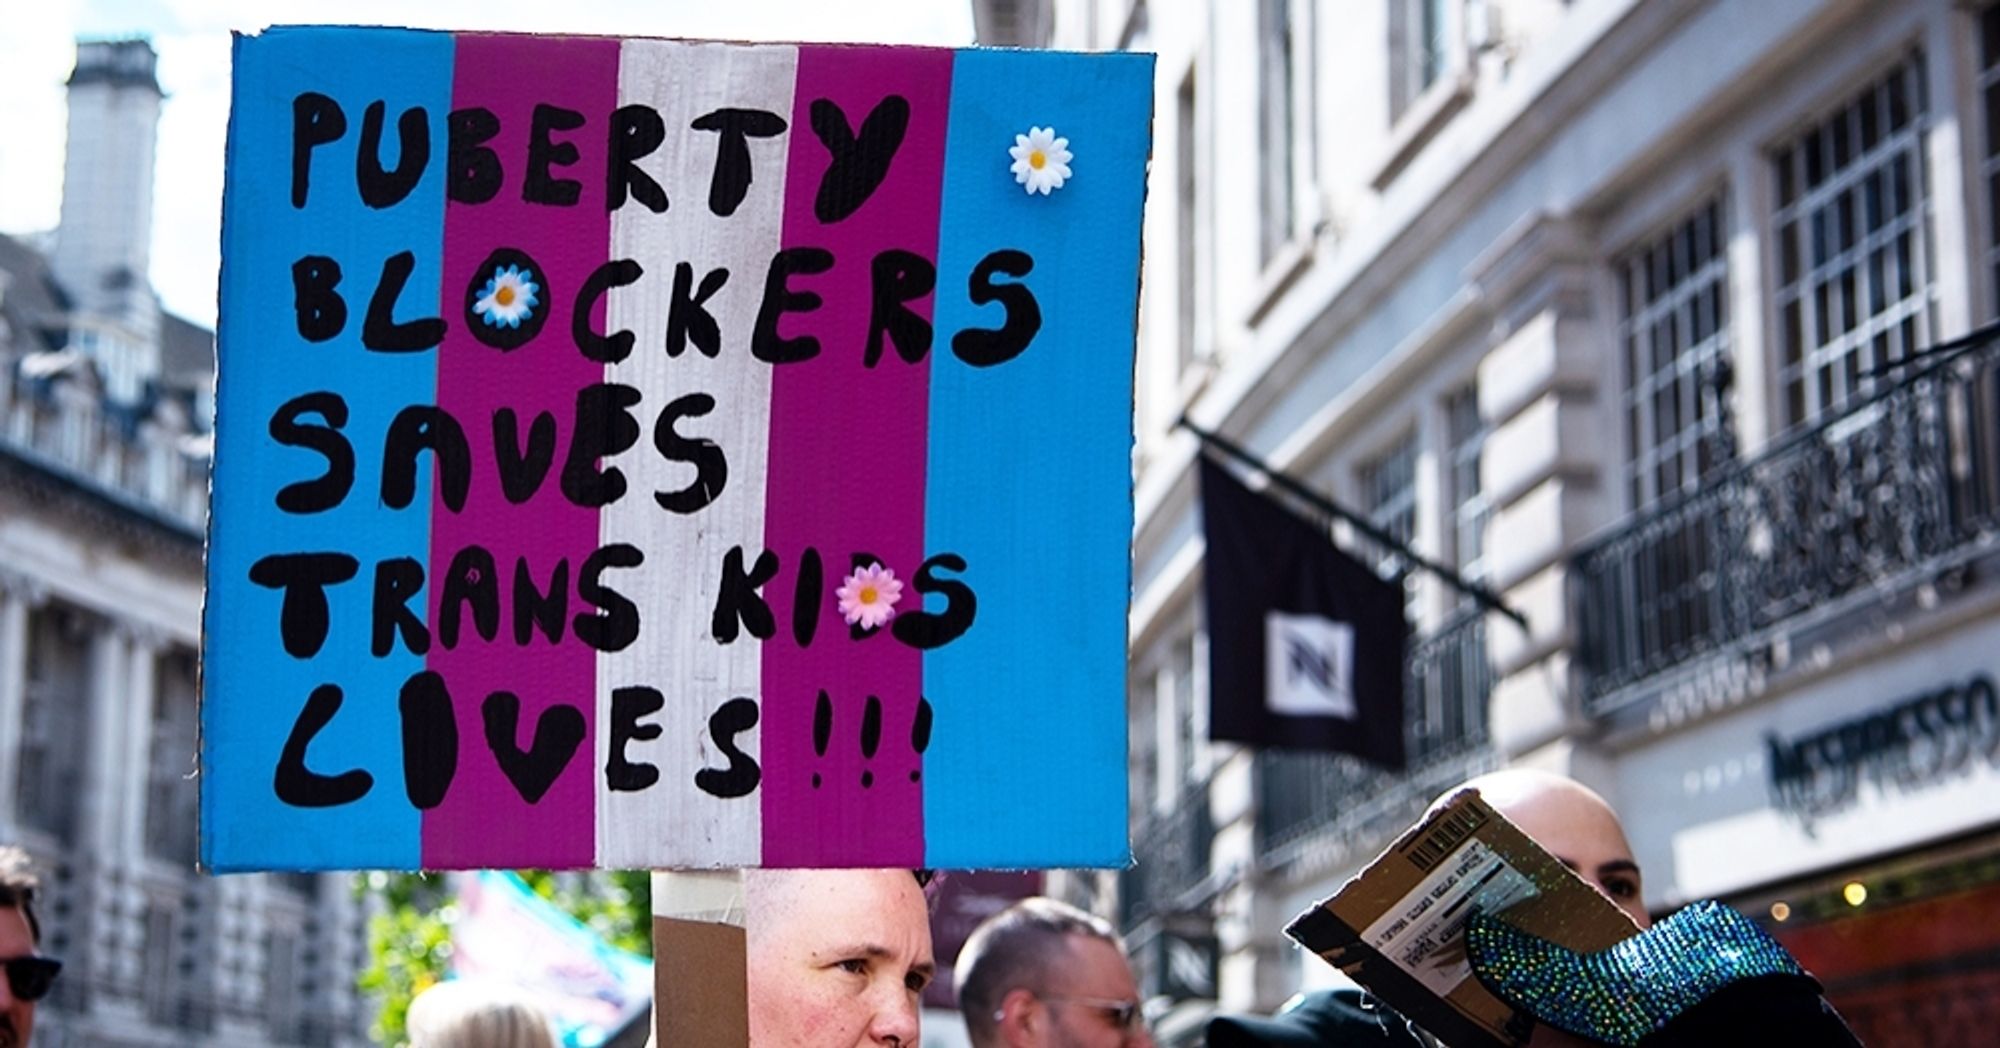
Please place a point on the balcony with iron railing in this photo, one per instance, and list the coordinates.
(1170, 852)
(1898, 491)
(1336, 803)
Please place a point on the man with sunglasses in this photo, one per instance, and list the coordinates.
(29, 975)
(1043, 974)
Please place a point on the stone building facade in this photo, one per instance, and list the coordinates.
(105, 404)
(1671, 321)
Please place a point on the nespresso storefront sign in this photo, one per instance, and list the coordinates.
(1910, 744)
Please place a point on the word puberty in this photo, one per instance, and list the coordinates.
(476, 174)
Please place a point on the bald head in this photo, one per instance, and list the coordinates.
(1574, 824)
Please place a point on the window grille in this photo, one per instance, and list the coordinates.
(1989, 161)
(1466, 432)
(1418, 52)
(171, 799)
(1275, 154)
(1674, 334)
(1389, 494)
(54, 721)
(1855, 289)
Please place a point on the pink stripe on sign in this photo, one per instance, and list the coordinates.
(848, 450)
(533, 801)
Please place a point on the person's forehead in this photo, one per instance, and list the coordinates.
(861, 906)
(1100, 964)
(776, 889)
(881, 887)
(16, 937)
(1570, 823)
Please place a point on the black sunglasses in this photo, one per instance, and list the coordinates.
(30, 977)
(1125, 1015)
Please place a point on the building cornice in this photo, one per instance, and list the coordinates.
(114, 512)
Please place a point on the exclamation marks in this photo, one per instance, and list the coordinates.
(822, 729)
(871, 735)
(920, 736)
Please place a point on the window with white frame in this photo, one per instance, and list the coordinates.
(1276, 153)
(1389, 489)
(55, 720)
(1855, 290)
(1989, 163)
(170, 789)
(1180, 667)
(1187, 184)
(1389, 500)
(173, 947)
(1144, 744)
(1465, 434)
(161, 922)
(1673, 331)
(282, 984)
(1418, 53)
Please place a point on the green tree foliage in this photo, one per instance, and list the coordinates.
(409, 941)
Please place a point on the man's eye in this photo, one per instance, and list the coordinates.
(1621, 889)
(916, 981)
(853, 965)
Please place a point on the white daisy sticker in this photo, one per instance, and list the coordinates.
(868, 597)
(509, 298)
(1041, 160)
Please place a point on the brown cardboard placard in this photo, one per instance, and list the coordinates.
(1397, 927)
(700, 991)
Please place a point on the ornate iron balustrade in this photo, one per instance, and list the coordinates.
(1906, 481)
(1446, 684)
(1170, 858)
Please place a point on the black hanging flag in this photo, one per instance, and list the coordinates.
(1305, 643)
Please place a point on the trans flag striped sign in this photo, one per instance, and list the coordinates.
(652, 453)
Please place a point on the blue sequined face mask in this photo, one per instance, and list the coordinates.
(1633, 989)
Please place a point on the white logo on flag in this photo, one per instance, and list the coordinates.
(1308, 666)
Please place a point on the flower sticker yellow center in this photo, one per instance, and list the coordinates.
(509, 298)
(868, 597)
(1041, 160)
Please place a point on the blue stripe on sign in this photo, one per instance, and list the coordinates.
(1030, 469)
(254, 691)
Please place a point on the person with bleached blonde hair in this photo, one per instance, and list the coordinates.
(469, 1013)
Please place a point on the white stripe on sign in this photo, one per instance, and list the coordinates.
(711, 265)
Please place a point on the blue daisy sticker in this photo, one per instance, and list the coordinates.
(509, 298)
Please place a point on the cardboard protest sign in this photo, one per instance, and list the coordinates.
(700, 959)
(574, 396)
(1398, 927)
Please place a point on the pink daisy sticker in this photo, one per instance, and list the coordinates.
(868, 597)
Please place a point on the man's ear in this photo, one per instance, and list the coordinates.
(1022, 1019)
